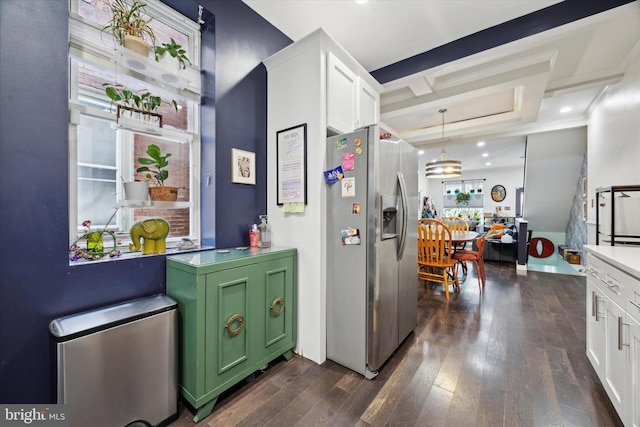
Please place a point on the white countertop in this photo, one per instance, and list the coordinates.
(624, 257)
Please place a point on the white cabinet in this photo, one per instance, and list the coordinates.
(595, 328)
(633, 383)
(613, 329)
(351, 102)
(615, 360)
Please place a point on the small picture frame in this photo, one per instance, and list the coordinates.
(243, 167)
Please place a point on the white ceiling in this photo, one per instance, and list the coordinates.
(499, 95)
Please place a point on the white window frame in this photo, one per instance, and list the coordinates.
(88, 42)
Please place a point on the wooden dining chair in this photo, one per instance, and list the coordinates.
(476, 258)
(456, 223)
(435, 262)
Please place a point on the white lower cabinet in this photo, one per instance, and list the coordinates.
(615, 360)
(596, 331)
(613, 331)
(633, 385)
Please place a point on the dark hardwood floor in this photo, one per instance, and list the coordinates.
(513, 355)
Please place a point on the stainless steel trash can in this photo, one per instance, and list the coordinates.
(117, 364)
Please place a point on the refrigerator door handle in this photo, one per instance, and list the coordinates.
(403, 199)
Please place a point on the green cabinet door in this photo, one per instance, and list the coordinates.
(228, 326)
(277, 306)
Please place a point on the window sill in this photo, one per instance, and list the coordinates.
(134, 255)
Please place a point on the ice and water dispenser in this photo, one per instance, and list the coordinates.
(389, 205)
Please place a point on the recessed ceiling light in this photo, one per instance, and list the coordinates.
(488, 163)
(565, 109)
(485, 154)
(361, 1)
(480, 144)
(421, 152)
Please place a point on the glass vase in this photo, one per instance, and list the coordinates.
(94, 242)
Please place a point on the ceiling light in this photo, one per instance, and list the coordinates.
(485, 154)
(480, 144)
(421, 152)
(361, 1)
(488, 163)
(445, 167)
(565, 109)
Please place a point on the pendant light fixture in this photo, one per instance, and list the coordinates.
(445, 167)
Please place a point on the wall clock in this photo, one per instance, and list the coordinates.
(498, 193)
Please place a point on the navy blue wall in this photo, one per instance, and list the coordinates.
(36, 282)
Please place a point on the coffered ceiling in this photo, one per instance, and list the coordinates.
(499, 95)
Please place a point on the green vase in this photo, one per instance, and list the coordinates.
(94, 242)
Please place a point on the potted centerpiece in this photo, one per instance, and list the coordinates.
(158, 175)
(129, 26)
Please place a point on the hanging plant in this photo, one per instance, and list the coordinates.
(463, 198)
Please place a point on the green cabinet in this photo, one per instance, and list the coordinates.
(237, 312)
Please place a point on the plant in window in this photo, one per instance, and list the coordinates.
(143, 100)
(159, 174)
(129, 26)
(142, 103)
(173, 49)
(463, 198)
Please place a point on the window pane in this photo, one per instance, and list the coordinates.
(96, 142)
(97, 202)
(88, 172)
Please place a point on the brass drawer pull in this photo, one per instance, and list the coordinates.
(240, 319)
(274, 306)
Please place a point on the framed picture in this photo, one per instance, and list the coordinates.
(292, 165)
(243, 167)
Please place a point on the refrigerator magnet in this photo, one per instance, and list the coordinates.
(348, 162)
(349, 187)
(341, 144)
(358, 151)
(350, 236)
(355, 209)
(357, 142)
(334, 175)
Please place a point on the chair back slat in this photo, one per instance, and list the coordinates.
(456, 223)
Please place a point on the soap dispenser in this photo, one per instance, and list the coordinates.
(265, 232)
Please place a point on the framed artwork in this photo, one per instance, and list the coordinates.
(291, 156)
(243, 167)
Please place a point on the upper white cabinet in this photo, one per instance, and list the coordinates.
(351, 102)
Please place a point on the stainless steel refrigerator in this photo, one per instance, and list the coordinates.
(372, 214)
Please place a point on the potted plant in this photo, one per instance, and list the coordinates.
(175, 51)
(158, 175)
(463, 198)
(136, 190)
(129, 27)
(143, 102)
